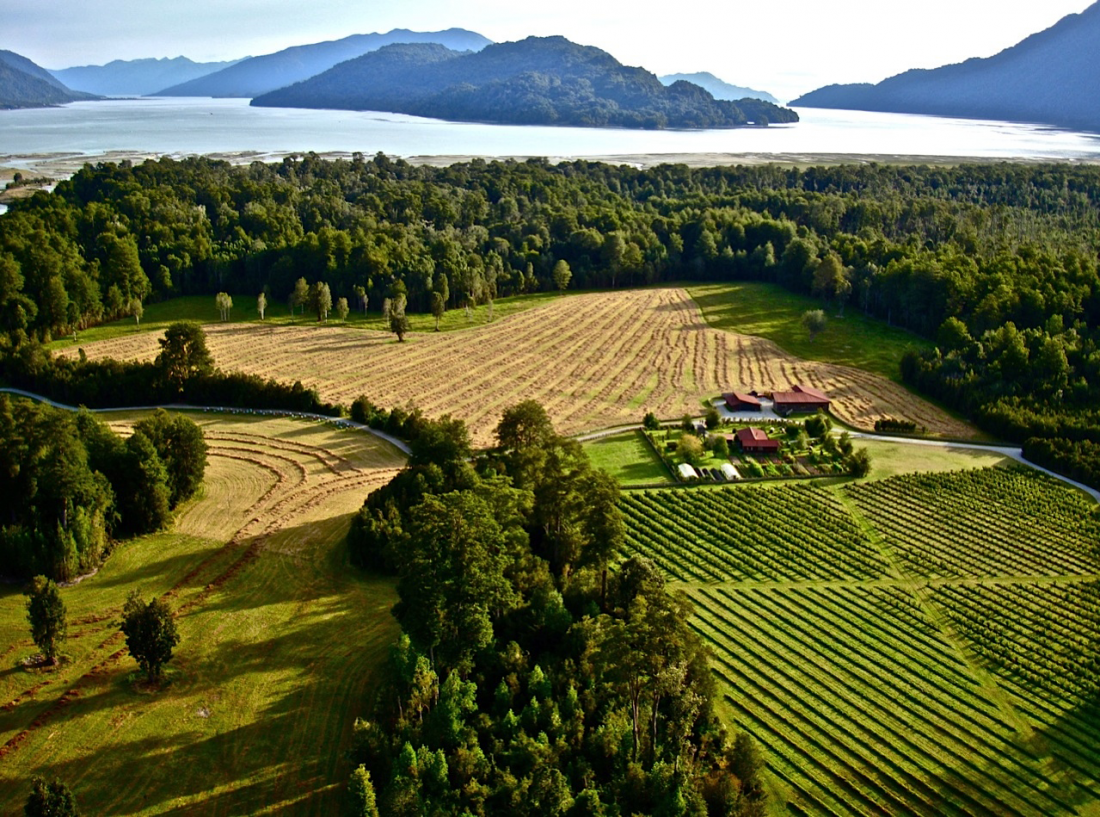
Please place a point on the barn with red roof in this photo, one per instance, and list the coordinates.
(800, 399)
(736, 401)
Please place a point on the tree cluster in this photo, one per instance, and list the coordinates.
(69, 485)
(536, 674)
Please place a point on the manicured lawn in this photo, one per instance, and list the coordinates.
(769, 311)
(201, 308)
(628, 458)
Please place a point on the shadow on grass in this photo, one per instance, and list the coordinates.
(280, 659)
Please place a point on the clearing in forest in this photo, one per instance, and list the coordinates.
(594, 361)
(924, 644)
(279, 640)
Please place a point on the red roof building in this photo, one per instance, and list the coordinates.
(800, 399)
(756, 441)
(735, 401)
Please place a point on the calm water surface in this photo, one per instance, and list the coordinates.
(189, 126)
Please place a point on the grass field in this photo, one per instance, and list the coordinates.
(158, 316)
(628, 458)
(769, 311)
(913, 645)
(594, 361)
(279, 641)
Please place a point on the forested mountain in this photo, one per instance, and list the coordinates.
(258, 75)
(539, 80)
(136, 77)
(1051, 77)
(23, 84)
(719, 89)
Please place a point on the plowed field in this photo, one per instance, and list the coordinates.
(593, 361)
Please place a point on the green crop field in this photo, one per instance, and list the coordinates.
(769, 311)
(279, 641)
(923, 644)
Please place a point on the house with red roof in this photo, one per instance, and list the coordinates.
(756, 441)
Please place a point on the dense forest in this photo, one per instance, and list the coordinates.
(996, 263)
(69, 486)
(529, 678)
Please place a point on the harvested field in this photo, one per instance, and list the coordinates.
(279, 640)
(593, 361)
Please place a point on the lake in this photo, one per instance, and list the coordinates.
(223, 126)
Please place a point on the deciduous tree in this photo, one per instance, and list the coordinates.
(150, 632)
(50, 799)
(561, 275)
(342, 309)
(261, 304)
(183, 353)
(814, 322)
(46, 614)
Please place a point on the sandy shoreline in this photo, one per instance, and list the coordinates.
(64, 165)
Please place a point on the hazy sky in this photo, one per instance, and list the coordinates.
(786, 47)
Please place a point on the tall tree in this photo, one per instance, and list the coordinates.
(399, 322)
(341, 309)
(299, 296)
(320, 300)
(151, 633)
(46, 615)
(438, 305)
(561, 275)
(261, 304)
(814, 322)
(224, 303)
(183, 353)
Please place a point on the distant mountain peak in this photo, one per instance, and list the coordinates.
(718, 88)
(1052, 77)
(258, 75)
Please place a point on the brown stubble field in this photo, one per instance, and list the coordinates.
(594, 361)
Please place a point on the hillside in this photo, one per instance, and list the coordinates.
(539, 80)
(136, 77)
(1051, 77)
(719, 89)
(23, 84)
(258, 75)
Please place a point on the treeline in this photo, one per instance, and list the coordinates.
(69, 486)
(536, 674)
(998, 263)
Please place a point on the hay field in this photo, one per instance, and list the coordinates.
(279, 640)
(594, 361)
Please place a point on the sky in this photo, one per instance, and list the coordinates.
(786, 47)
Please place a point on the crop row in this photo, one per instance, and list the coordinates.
(791, 533)
(1046, 637)
(991, 522)
(864, 715)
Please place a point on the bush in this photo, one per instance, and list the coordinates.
(650, 422)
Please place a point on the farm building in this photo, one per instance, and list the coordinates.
(756, 441)
(687, 472)
(800, 399)
(729, 472)
(735, 401)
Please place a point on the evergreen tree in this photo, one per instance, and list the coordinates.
(46, 614)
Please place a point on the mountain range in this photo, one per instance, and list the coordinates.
(135, 77)
(539, 80)
(255, 76)
(24, 84)
(1052, 77)
(718, 88)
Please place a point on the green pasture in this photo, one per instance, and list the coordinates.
(277, 657)
(771, 312)
(629, 458)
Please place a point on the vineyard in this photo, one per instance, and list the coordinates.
(925, 644)
(264, 684)
(593, 361)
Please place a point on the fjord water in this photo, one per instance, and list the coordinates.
(205, 126)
